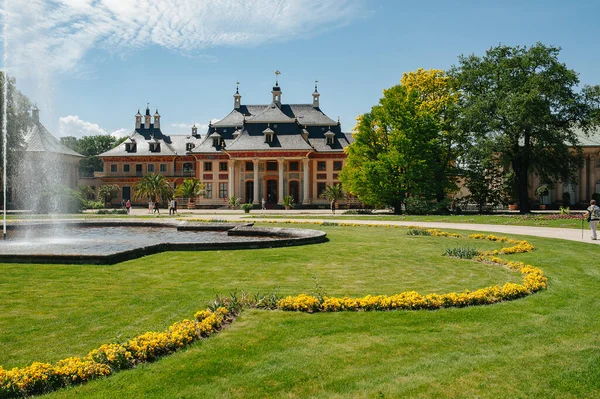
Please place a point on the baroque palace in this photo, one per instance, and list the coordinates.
(256, 152)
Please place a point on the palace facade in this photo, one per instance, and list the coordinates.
(256, 152)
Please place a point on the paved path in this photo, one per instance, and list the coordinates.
(225, 214)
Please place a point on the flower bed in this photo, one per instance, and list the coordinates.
(41, 378)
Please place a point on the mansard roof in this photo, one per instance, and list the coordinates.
(39, 140)
(305, 113)
(286, 137)
(169, 145)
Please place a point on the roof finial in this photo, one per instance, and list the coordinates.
(277, 73)
(316, 81)
(237, 86)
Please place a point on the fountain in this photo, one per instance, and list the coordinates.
(113, 241)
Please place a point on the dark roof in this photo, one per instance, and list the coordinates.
(287, 137)
(39, 139)
(305, 113)
(175, 145)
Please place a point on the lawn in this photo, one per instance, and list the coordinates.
(541, 346)
(541, 220)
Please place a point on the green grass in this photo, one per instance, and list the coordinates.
(509, 220)
(542, 346)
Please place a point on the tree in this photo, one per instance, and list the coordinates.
(107, 192)
(190, 188)
(526, 104)
(334, 192)
(399, 150)
(91, 147)
(439, 96)
(154, 187)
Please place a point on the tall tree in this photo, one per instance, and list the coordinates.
(439, 97)
(404, 146)
(154, 187)
(394, 151)
(526, 102)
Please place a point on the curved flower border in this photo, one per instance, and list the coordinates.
(39, 378)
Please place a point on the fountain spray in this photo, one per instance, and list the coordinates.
(4, 113)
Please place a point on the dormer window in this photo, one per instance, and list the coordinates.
(189, 146)
(330, 137)
(269, 135)
(154, 147)
(130, 145)
(216, 139)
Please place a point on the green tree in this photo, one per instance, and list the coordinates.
(334, 192)
(396, 151)
(91, 147)
(190, 188)
(526, 103)
(107, 192)
(154, 187)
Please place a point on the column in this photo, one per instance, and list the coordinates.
(593, 178)
(560, 189)
(305, 181)
(255, 196)
(280, 182)
(231, 190)
(582, 178)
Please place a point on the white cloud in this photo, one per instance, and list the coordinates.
(49, 36)
(73, 126)
(121, 133)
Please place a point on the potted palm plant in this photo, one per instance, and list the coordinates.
(247, 207)
(154, 187)
(106, 193)
(190, 189)
(333, 194)
(288, 202)
(234, 202)
(541, 192)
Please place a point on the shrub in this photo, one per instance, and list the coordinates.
(358, 212)
(418, 232)
(111, 212)
(462, 253)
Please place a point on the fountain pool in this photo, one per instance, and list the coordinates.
(109, 242)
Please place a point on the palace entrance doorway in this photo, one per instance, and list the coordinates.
(272, 192)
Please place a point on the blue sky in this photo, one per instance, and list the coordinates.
(89, 64)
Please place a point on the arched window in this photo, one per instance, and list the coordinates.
(597, 187)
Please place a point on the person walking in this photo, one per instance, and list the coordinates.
(593, 216)
(128, 206)
(156, 207)
(333, 206)
(172, 207)
(262, 204)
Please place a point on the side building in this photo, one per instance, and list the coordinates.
(256, 152)
(46, 166)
